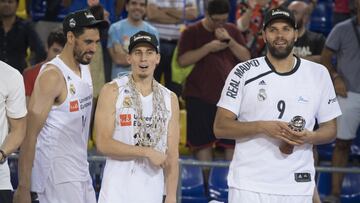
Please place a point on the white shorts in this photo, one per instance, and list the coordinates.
(68, 192)
(244, 196)
(348, 122)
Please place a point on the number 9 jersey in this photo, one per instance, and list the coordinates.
(255, 91)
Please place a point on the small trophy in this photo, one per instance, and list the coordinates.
(297, 124)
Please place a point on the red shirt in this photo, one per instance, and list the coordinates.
(208, 76)
(30, 76)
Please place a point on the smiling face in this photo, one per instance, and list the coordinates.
(143, 59)
(280, 37)
(85, 46)
(136, 9)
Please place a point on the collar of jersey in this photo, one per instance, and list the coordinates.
(297, 64)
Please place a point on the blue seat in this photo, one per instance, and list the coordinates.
(321, 17)
(325, 151)
(350, 188)
(192, 181)
(218, 188)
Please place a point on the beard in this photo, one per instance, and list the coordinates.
(280, 53)
(80, 57)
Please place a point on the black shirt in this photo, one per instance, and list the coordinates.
(14, 44)
(311, 43)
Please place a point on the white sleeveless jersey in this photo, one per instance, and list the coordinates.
(255, 91)
(61, 149)
(135, 181)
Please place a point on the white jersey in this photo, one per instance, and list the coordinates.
(255, 91)
(135, 181)
(61, 149)
(12, 105)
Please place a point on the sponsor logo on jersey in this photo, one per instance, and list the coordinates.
(302, 100)
(262, 82)
(302, 177)
(127, 102)
(333, 100)
(233, 87)
(125, 119)
(74, 106)
(72, 89)
(262, 95)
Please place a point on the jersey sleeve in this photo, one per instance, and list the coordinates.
(16, 102)
(328, 107)
(231, 94)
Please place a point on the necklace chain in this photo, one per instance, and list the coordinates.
(149, 135)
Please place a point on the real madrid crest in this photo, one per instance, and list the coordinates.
(127, 102)
(72, 89)
(261, 95)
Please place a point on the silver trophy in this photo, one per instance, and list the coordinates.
(297, 124)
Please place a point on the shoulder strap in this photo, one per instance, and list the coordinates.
(354, 23)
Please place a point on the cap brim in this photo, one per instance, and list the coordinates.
(101, 24)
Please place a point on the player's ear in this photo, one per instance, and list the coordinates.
(263, 35)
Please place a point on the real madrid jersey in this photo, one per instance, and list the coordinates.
(61, 148)
(255, 91)
(134, 181)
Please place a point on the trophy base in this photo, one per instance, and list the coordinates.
(286, 148)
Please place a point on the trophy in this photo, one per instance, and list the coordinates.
(297, 124)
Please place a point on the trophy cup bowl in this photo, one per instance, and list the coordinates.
(297, 123)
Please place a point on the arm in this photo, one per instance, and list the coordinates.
(325, 134)
(49, 86)
(104, 128)
(243, 21)
(16, 135)
(191, 12)
(226, 126)
(172, 162)
(239, 51)
(156, 14)
(339, 84)
(118, 55)
(193, 56)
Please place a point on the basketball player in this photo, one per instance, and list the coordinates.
(54, 152)
(137, 128)
(258, 100)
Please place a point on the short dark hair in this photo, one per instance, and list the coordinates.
(218, 7)
(56, 36)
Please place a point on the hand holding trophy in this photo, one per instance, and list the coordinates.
(297, 123)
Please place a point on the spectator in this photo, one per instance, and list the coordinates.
(250, 16)
(12, 123)
(16, 36)
(272, 123)
(54, 153)
(309, 44)
(214, 46)
(120, 33)
(138, 130)
(49, 19)
(343, 43)
(169, 17)
(55, 43)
